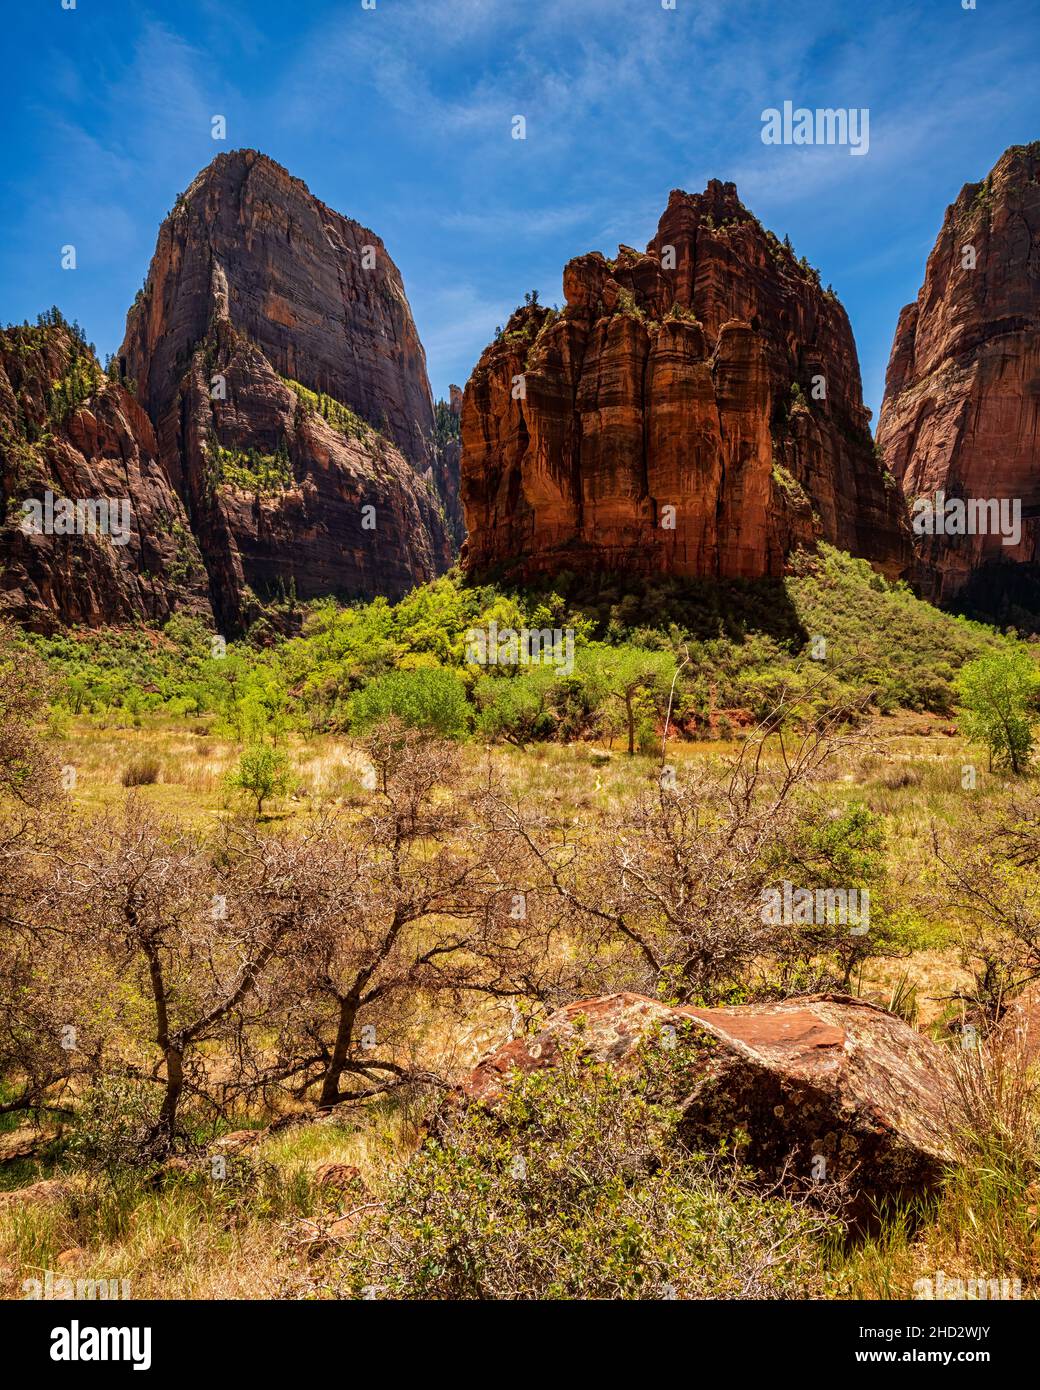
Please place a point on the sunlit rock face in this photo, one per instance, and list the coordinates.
(961, 414)
(693, 410)
(274, 349)
(129, 555)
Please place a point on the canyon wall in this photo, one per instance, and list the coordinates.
(693, 410)
(961, 414)
(267, 420)
(67, 430)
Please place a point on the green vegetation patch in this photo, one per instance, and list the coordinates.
(249, 470)
(339, 416)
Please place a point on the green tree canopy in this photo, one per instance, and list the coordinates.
(999, 694)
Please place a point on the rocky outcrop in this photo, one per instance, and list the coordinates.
(695, 410)
(827, 1087)
(69, 432)
(961, 413)
(285, 501)
(316, 292)
(268, 421)
(275, 352)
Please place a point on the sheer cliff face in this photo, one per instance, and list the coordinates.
(316, 292)
(961, 413)
(98, 450)
(275, 352)
(695, 410)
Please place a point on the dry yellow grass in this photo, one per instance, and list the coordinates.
(176, 1243)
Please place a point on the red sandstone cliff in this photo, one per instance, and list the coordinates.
(66, 429)
(961, 413)
(665, 420)
(316, 292)
(275, 351)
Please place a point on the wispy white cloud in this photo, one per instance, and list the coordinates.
(516, 222)
(401, 116)
(452, 319)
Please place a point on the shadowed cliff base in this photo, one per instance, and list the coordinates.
(699, 608)
(1003, 593)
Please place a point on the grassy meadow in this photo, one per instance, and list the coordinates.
(145, 736)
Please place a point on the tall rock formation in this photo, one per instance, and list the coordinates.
(695, 410)
(67, 431)
(961, 413)
(274, 349)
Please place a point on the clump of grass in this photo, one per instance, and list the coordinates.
(896, 778)
(141, 772)
(998, 1091)
(983, 1224)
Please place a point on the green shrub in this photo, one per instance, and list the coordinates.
(262, 772)
(577, 1187)
(426, 698)
(250, 470)
(519, 708)
(747, 643)
(999, 693)
(113, 1123)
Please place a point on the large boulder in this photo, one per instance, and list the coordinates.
(827, 1087)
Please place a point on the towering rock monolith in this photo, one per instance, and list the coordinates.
(693, 410)
(961, 414)
(274, 349)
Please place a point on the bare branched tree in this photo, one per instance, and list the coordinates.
(672, 887)
(990, 881)
(194, 929)
(410, 902)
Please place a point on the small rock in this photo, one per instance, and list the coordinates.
(339, 1177)
(237, 1140)
(45, 1193)
(169, 1171)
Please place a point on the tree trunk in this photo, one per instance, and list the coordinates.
(340, 1052)
(174, 1086)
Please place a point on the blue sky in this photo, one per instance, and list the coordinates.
(400, 117)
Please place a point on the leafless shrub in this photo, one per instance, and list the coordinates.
(409, 901)
(151, 898)
(990, 881)
(670, 891)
